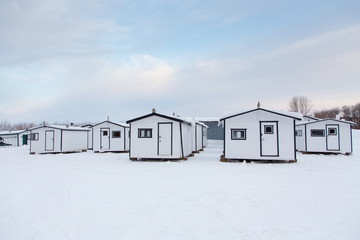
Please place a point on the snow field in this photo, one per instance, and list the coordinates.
(87, 196)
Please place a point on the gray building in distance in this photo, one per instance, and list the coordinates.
(215, 130)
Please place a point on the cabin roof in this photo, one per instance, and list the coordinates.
(195, 121)
(61, 127)
(323, 120)
(115, 123)
(312, 118)
(293, 115)
(207, 119)
(12, 132)
(174, 118)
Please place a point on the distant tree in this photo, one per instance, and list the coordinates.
(346, 110)
(349, 113)
(352, 113)
(356, 114)
(328, 113)
(21, 126)
(5, 126)
(300, 104)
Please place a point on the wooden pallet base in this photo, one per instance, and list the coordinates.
(160, 159)
(232, 160)
(325, 153)
(66, 152)
(111, 151)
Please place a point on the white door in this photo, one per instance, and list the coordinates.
(269, 141)
(332, 137)
(49, 140)
(105, 138)
(165, 139)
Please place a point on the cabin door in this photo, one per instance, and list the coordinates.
(165, 139)
(49, 140)
(104, 138)
(24, 139)
(332, 137)
(269, 139)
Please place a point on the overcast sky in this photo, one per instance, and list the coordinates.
(66, 60)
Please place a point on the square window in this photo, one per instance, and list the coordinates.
(238, 134)
(116, 134)
(298, 133)
(145, 133)
(332, 131)
(34, 136)
(105, 133)
(317, 132)
(268, 129)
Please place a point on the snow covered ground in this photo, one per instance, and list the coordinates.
(88, 196)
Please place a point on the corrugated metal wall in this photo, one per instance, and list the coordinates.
(214, 132)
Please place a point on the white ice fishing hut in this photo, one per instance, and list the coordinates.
(110, 136)
(199, 136)
(89, 141)
(58, 139)
(15, 138)
(159, 137)
(260, 134)
(324, 136)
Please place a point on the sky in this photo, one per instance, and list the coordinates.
(82, 61)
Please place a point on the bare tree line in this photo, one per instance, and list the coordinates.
(299, 104)
(349, 113)
(303, 105)
(7, 126)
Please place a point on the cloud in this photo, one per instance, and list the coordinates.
(323, 67)
(199, 59)
(36, 30)
(138, 75)
(26, 107)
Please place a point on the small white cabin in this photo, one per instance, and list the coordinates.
(90, 135)
(159, 136)
(199, 136)
(324, 136)
(58, 139)
(110, 136)
(260, 134)
(15, 138)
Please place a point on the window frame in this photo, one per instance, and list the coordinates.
(146, 130)
(272, 129)
(313, 135)
(238, 130)
(116, 132)
(332, 134)
(36, 137)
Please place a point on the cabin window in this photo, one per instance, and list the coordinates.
(116, 134)
(317, 132)
(105, 133)
(34, 136)
(238, 134)
(145, 133)
(332, 131)
(298, 133)
(268, 129)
